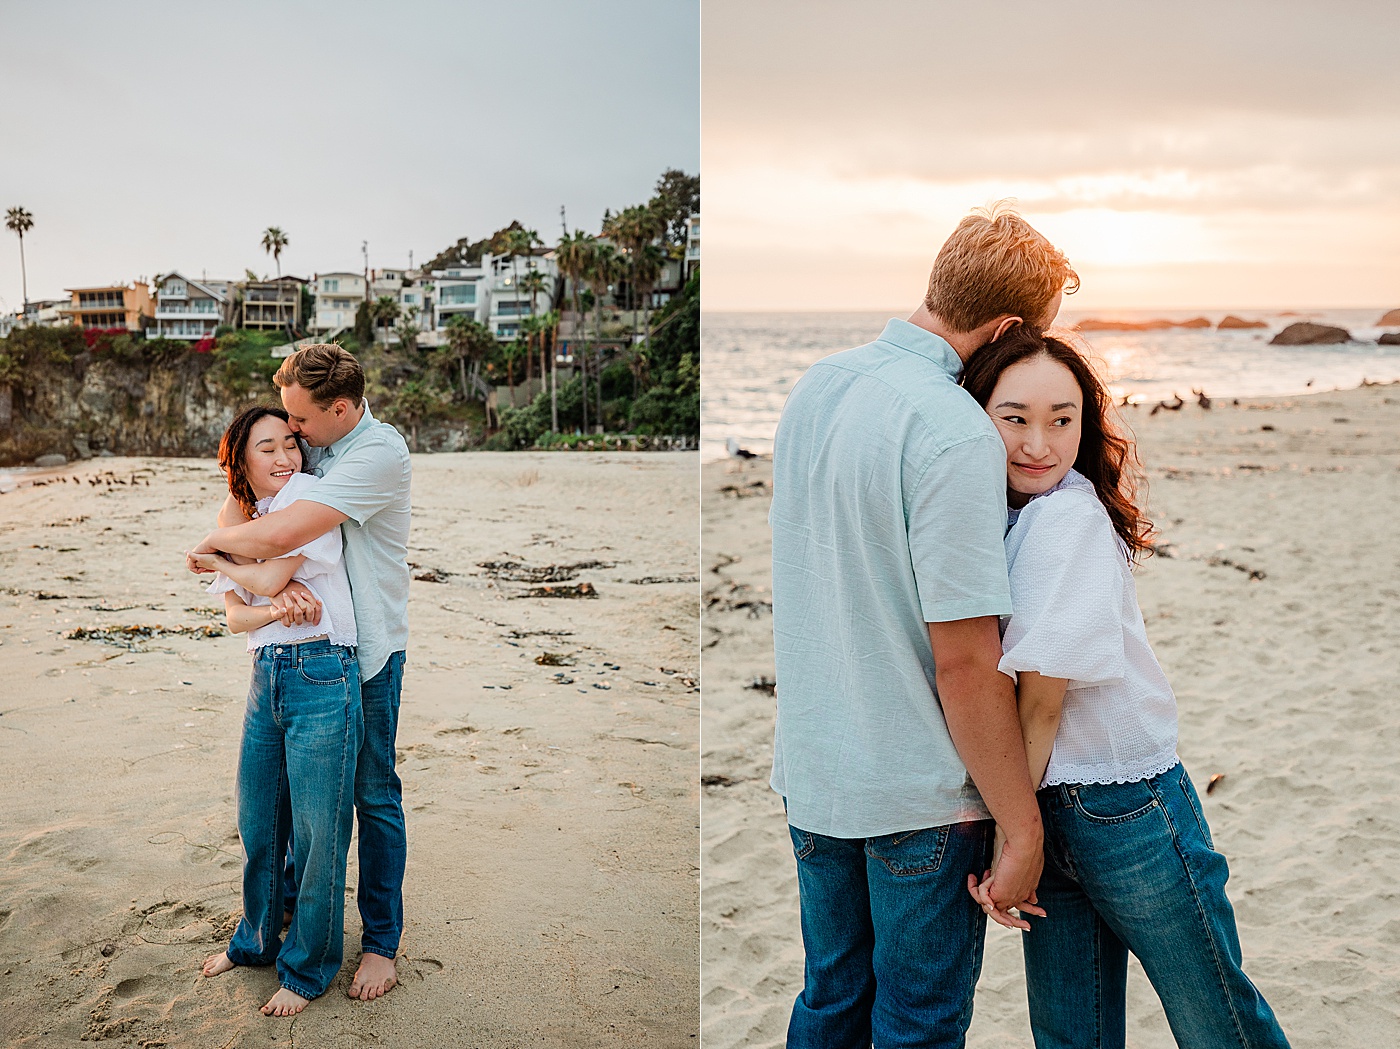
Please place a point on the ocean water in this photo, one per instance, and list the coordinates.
(749, 361)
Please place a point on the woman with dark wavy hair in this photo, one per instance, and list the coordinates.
(1129, 861)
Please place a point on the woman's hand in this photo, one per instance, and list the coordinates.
(202, 562)
(297, 605)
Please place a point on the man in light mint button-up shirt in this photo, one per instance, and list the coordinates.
(895, 736)
(364, 490)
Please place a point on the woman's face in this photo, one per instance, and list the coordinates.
(1036, 405)
(272, 456)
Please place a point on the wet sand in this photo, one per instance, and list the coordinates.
(551, 892)
(1276, 620)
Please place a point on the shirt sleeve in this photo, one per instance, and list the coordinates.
(1067, 588)
(222, 584)
(957, 521)
(322, 553)
(364, 481)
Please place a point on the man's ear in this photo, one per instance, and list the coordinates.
(1007, 323)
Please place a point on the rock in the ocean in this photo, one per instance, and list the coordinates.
(1305, 333)
(46, 461)
(1239, 322)
(1391, 318)
(1390, 338)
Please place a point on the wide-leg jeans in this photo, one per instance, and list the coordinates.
(893, 939)
(1131, 867)
(383, 842)
(296, 772)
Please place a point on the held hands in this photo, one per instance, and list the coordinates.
(297, 605)
(1010, 884)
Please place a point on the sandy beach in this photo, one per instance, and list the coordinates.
(547, 748)
(1275, 619)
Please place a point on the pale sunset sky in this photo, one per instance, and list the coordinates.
(150, 139)
(1184, 155)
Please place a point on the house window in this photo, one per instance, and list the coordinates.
(457, 295)
(331, 285)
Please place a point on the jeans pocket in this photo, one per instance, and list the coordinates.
(1194, 803)
(803, 842)
(911, 851)
(1113, 802)
(323, 668)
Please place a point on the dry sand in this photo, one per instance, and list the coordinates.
(551, 893)
(1277, 619)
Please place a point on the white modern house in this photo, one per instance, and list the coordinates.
(187, 309)
(338, 295)
(509, 304)
(692, 245)
(488, 294)
(459, 291)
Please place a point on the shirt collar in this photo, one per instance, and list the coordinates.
(366, 421)
(923, 342)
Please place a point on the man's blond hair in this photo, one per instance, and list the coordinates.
(325, 371)
(994, 264)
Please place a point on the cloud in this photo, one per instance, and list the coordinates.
(1143, 136)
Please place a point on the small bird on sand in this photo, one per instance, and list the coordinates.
(735, 452)
(1201, 398)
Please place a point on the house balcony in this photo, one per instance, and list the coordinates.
(164, 311)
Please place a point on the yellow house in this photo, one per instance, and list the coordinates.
(111, 306)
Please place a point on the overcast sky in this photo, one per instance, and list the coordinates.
(1183, 155)
(150, 139)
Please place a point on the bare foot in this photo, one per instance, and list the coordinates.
(375, 977)
(284, 1003)
(217, 963)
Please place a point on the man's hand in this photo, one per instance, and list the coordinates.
(1010, 884)
(297, 605)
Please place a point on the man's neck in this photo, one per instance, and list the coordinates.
(963, 342)
(353, 418)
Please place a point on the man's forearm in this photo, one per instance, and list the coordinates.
(979, 705)
(262, 538)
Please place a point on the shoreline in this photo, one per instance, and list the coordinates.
(1275, 624)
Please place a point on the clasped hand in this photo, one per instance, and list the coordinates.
(295, 605)
(1006, 892)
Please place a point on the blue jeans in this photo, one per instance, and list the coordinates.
(383, 847)
(1131, 867)
(893, 940)
(296, 773)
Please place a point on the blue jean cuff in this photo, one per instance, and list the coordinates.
(300, 989)
(382, 952)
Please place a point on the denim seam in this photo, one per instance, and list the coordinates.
(1109, 820)
(927, 868)
(378, 951)
(1205, 924)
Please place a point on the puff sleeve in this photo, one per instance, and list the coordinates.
(1066, 592)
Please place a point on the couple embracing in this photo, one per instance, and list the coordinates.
(310, 558)
(970, 720)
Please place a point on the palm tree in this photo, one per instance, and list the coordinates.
(574, 257)
(20, 222)
(534, 284)
(273, 241)
(520, 242)
(469, 341)
(415, 401)
(604, 267)
(385, 311)
(647, 263)
(407, 330)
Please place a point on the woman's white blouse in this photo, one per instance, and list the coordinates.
(1076, 616)
(323, 572)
